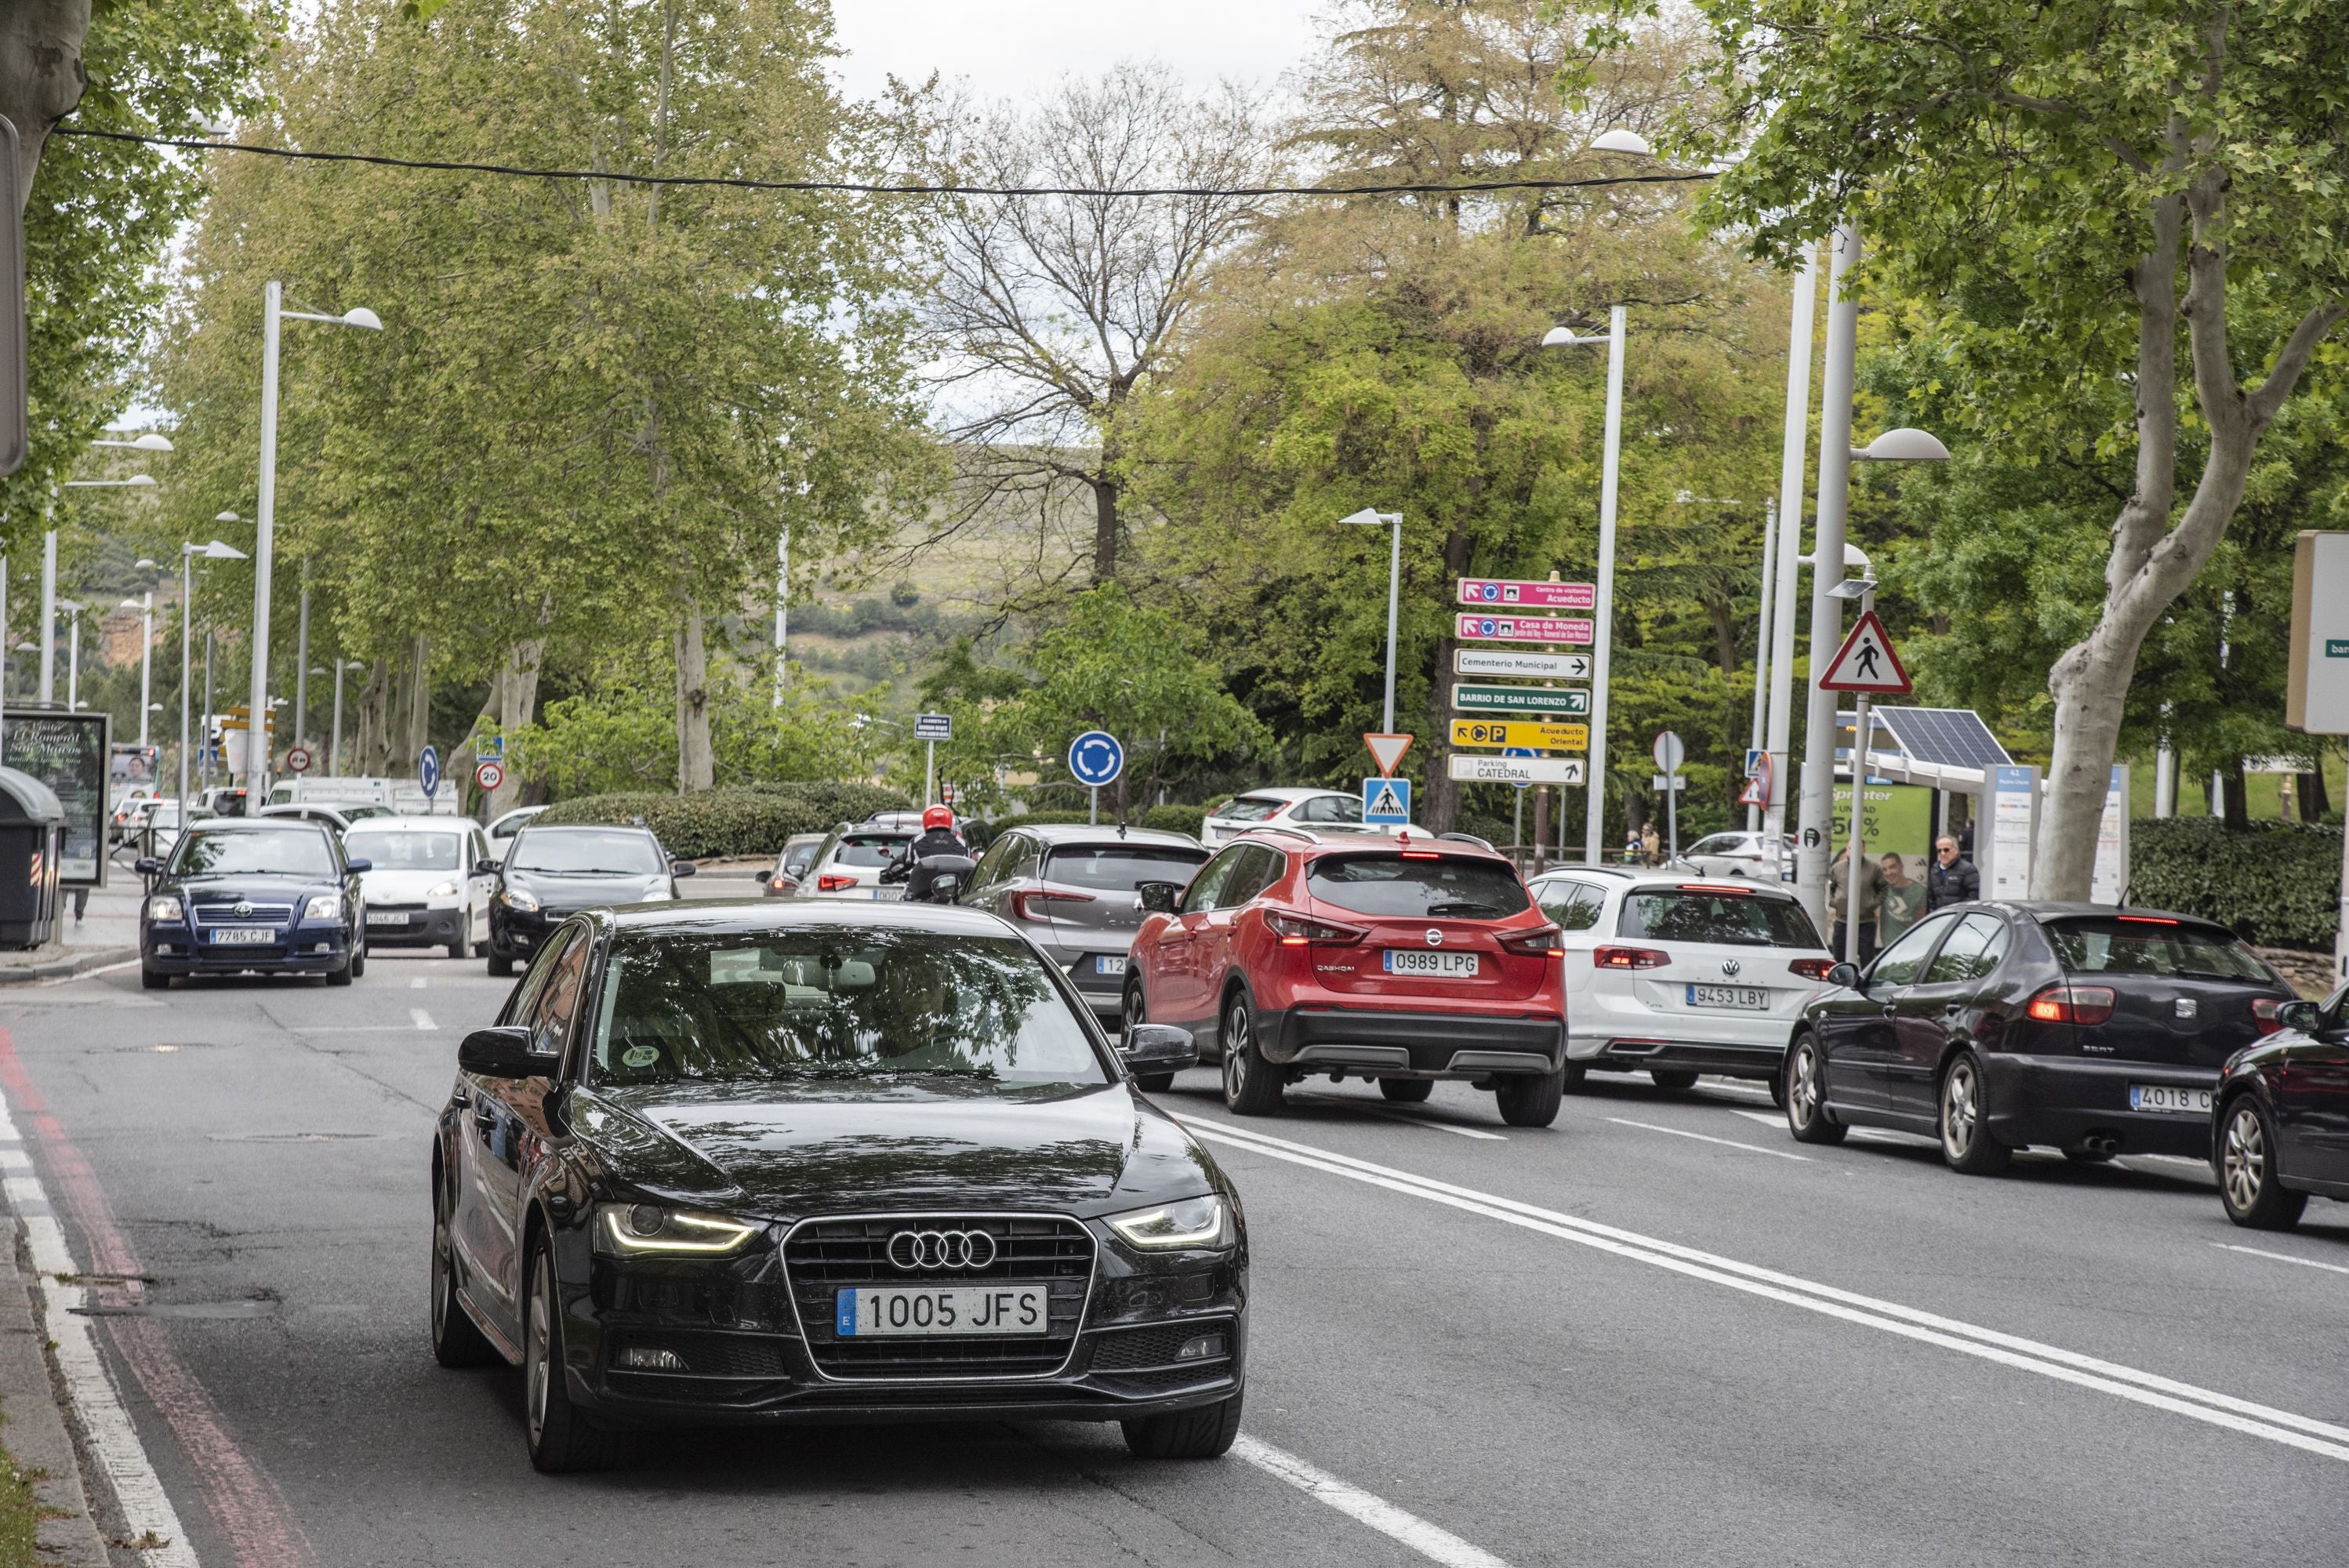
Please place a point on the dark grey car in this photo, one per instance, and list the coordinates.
(1071, 889)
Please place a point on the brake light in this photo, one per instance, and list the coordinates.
(1629, 958)
(2144, 920)
(832, 881)
(1421, 855)
(1730, 889)
(781, 884)
(2068, 1004)
(1539, 942)
(1023, 904)
(1812, 968)
(1295, 931)
(2264, 1011)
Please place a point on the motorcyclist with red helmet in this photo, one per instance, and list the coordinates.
(936, 838)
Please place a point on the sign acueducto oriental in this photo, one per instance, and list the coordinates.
(70, 753)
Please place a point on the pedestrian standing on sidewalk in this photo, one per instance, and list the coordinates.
(1871, 902)
(1651, 845)
(1954, 879)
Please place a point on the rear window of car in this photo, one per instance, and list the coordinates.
(1734, 918)
(1451, 886)
(1248, 808)
(404, 851)
(869, 850)
(1120, 867)
(2117, 945)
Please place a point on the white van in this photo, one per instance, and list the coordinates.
(405, 796)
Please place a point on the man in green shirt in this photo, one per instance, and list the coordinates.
(1904, 900)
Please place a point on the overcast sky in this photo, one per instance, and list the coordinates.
(1005, 48)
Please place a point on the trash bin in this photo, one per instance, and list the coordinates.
(32, 844)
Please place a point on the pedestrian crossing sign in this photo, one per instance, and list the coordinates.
(1386, 801)
(1866, 662)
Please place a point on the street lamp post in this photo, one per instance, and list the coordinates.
(215, 550)
(73, 656)
(150, 442)
(1370, 518)
(335, 745)
(273, 312)
(145, 605)
(1779, 738)
(1603, 610)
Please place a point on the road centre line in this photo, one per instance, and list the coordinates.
(2280, 1257)
(1432, 1541)
(2050, 1361)
(1393, 1115)
(1708, 1138)
(423, 1019)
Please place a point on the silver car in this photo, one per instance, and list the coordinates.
(1073, 890)
(1742, 854)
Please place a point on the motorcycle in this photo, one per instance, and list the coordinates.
(933, 879)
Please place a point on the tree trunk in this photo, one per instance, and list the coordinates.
(695, 764)
(420, 703)
(2239, 795)
(371, 744)
(1724, 635)
(1105, 528)
(2310, 789)
(41, 75)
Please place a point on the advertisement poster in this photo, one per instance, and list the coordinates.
(134, 764)
(69, 752)
(1897, 828)
(2109, 882)
(2013, 824)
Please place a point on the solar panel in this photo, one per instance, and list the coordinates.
(1949, 736)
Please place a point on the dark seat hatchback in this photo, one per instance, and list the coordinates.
(246, 895)
(794, 1161)
(1994, 1027)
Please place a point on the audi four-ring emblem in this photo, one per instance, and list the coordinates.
(924, 1250)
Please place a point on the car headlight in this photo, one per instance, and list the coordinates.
(1193, 1222)
(164, 906)
(635, 1229)
(443, 890)
(654, 894)
(521, 899)
(323, 906)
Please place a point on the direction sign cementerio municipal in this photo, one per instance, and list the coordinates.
(1520, 665)
(1520, 700)
(1534, 734)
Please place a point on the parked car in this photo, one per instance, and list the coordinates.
(2279, 1128)
(159, 829)
(1321, 811)
(799, 853)
(244, 896)
(1073, 891)
(911, 821)
(428, 882)
(1674, 977)
(1294, 952)
(502, 828)
(1742, 854)
(849, 862)
(325, 816)
(552, 873)
(2096, 1031)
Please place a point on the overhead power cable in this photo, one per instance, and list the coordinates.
(862, 188)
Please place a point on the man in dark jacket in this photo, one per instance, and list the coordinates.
(937, 837)
(1954, 879)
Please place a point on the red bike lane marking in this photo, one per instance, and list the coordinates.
(243, 1502)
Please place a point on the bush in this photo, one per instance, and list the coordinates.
(1175, 819)
(745, 821)
(2274, 883)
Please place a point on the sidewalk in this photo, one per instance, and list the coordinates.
(106, 933)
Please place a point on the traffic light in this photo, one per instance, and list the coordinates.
(15, 426)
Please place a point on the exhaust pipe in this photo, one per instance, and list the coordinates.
(2103, 1144)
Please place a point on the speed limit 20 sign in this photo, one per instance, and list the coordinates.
(488, 776)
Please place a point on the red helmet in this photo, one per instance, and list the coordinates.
(938, 816)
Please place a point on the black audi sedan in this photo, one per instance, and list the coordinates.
(551, 872)
(815, 1161)
(2096, 1031)
(2281, 1129)
(241, 895)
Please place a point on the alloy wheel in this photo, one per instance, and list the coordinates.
(1235, 1052)
(538, 1353)
(2245, 1158)
(440, 1276)
(1805, 1090)
(1959, 1112)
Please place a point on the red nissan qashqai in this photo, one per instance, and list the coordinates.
(1405, 960)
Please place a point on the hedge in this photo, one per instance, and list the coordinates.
(2277, 884)
(1175, 819)
(753, 820)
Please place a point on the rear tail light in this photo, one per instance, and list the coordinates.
(1812, 968)
(781, 884)
(1536, 944)
(1028, 905)
(1630, 958)
(1297, 930)
(1733, 890)
(2067, 1004)
(832, 881)
(2264, 1011)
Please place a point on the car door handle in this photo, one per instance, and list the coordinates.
(485, 1115)
(1953, 1010)
(1891, 1011)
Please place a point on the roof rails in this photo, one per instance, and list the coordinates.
(1470, 838)
(1311, 838)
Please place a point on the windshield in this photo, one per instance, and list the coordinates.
(1417, 889)
(1120, 868)
(2120, 945)
(403, 851)
(1740, 920)
(1248, 808)
(615, 852)
(359, 813)
(841, 1002)
(289, 851)
(869, 850)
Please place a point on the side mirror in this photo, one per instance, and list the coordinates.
(1847, 976)
(501, 1051)
(2307, 1017)
(682, 868)
(1158, 897)
(361, 865)
(493, 867)
(1157, 1048)
(148, 866)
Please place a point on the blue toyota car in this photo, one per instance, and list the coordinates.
(252, 895)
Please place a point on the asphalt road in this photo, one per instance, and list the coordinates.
(1659, 1332)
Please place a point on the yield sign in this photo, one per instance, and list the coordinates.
(1386, 750)
(1866, 662)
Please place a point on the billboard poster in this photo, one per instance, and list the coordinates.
(70, 753)
(1897, 828)
(130, 766)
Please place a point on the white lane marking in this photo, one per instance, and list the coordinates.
(423, 1019)
(2173, 1159)
(2050, 1361)
(105, 1425)
(1393, 1115)
(1734, 1086)
(1708, 1138)
(2281, 1257)
(1431, 1541)
(1764, 1116)
(417, 983)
